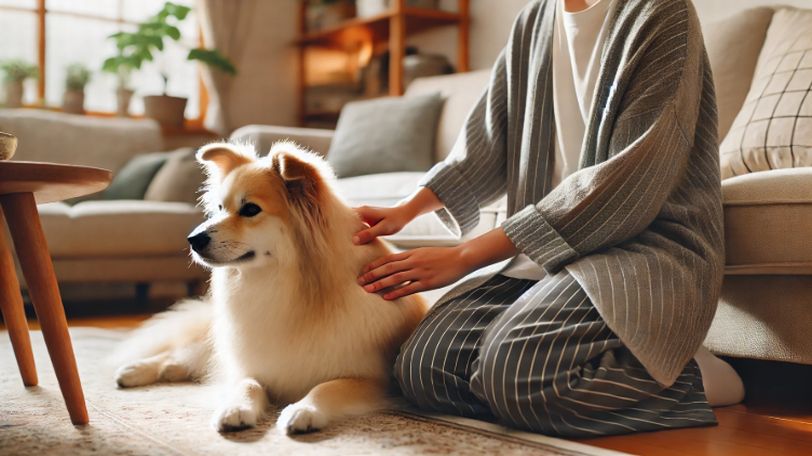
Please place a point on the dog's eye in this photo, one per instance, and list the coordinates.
(250, 210)
(220, 207)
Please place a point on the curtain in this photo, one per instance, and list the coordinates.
(226, 26)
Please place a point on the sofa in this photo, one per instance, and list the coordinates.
(97, 241)
(765, 309)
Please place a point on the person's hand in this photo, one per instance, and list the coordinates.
(413, 271)
(382, 221)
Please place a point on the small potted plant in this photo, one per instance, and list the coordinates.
(77, 76)
(15, 72)
(122, 66)
(135, 48)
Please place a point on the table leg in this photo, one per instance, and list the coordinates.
(35, 261)
(11, 304)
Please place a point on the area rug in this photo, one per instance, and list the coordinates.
(174, 419)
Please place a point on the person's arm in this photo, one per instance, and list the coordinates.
(417, 270)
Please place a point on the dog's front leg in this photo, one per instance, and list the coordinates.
(330, 401)
(245, 404)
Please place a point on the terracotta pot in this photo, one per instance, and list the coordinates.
(168, 111)
(14, 94)
(8, 145)
(123, 97)
(73, 102)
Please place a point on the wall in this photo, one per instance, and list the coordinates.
(491, 21)
(265, 90)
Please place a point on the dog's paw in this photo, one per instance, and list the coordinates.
(234, 418)
(136, 374)
(299, 418)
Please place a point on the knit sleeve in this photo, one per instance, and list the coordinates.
(475, 172)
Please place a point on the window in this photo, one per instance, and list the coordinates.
(77, 31)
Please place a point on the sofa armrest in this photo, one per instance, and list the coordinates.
(264, 136)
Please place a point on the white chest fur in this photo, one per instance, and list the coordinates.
(263, 331)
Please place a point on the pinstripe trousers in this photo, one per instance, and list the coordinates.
(538, 356)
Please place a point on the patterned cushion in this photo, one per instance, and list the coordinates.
(774, 127)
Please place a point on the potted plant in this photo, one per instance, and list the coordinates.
(135, 48)
(122, 66)
(15, 72)
(76, 78)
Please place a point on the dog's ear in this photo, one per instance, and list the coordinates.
(301, 178)
(223, 157)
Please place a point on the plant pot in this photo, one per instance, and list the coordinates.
(8, 145)
(168, 111)
(73, 102)
(14, 94)
(123, 97)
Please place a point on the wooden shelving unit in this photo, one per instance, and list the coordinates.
(389, 29)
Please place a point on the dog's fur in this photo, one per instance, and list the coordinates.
(287, 320)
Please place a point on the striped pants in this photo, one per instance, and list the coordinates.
(538, 356)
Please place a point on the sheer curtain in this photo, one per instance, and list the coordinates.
(226, 27)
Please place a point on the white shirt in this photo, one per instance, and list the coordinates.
(576, 57)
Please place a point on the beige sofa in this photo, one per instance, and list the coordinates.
(765, 311)
(105, 241)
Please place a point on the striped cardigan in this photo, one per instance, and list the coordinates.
(639, 225)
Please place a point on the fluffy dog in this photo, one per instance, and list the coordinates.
(285, 320)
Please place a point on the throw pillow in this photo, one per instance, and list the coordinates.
(385, 135)
(733, 46)
(774, 127)
(132, 180)
(179, 179)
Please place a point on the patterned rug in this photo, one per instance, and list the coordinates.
(173, 420)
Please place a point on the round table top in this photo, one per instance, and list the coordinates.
(51, 181)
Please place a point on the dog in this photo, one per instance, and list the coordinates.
(285, 320)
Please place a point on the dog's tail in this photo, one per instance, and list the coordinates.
(186, 324)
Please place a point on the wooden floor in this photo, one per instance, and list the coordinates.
(778, 423)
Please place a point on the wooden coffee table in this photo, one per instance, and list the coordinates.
(22, 186)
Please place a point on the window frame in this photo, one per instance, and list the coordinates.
(42, 12)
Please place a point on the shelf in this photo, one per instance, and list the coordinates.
(376, 28)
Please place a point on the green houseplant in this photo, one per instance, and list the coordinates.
(142, 45)
(77, 76)
(15, 72)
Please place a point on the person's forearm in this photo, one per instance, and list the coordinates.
(422, 201)
(491, 247)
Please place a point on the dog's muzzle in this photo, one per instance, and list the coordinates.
(199, 241)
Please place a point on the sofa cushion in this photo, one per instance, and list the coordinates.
(133, 179)
(768, 216)
(461, 91)
(774, 127)
(179, 179)
(118, 228)
(385, 135)
(733, 45)
(387, 189)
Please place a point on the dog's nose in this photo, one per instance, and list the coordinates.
(199, 241)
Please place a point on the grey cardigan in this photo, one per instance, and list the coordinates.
(639, 225)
